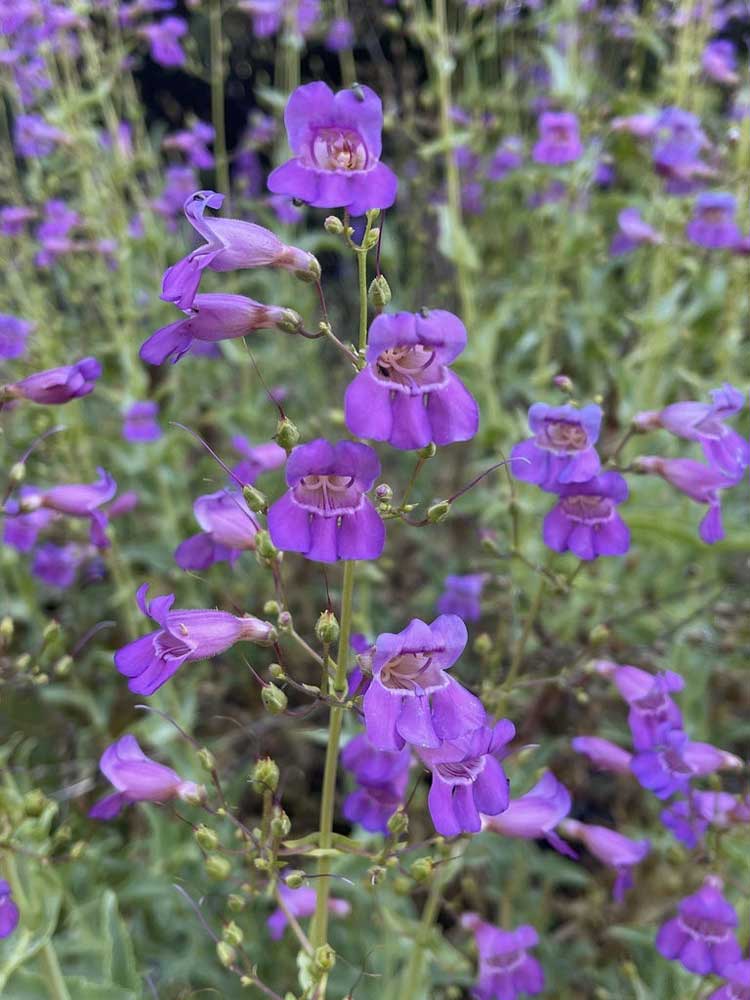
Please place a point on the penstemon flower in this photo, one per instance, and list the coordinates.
(57, 385)
(256, 459)
(611, 848)
(9, 912)
(562, 449)
(14, 332)
(300, 902)
(559, 139)
(535, 815)
(603, 754)
(506, 970)
(462, 596)
(140, 423)
(702, 935)
(713, 225)
(229, 529)
(381, 777)
(585, 520)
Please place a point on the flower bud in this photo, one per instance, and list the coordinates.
(384, 492)
(284, 621)
(276, 671)
(63, 666)
(227, 954)
(206, 838)
(334, 225)
(327, 628)
(421, 869)
(34, 802)
(295, 879)
(262, 864)
(235, 903)
(218, 867)
(401, 885)
(312, 272)
(271, 608)
(429, 451)
(232, 934)
(599, 634)
(264, 547)
(398, 823)
(289, 321)
(483, 644)
(273, 698)
(438, 511)
(6, 630)
(380, 292)
(207, 759)
(281, 825)
(16, 473)
(287, 434)
(324, 960)
(265, 776)
(256, 501)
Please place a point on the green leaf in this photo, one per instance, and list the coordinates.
(454, 241)
(38, 921)
(119, 958)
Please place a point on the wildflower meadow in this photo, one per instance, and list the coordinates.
(374, 499)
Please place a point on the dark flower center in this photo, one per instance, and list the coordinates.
(703, 927)
(587, 508)
(168, 646)
(461, 772)
(328, 495)
(714, 216)
(338, 149)
(563, 435)
(413, 672)
(410, 365)
(654, 702)
(507, 962)
(673, 761)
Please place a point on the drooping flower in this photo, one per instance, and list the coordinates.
(585, 520)
(688, 819)
(506, 970)
(468, 779)
(737, 985)
(603, 754)
(140, 422)
(256, 459)
(713, 224)
(407, 395)
(183, 636)
(559, 139)
(723, 447)
(9, 912)
(300, 902)
(73, 499)
(13, 334)
(562, 448)
(381, 777)
(193, 142)
(633, 231)
(702, 935)
(231, 245)
(611, 848)
(57, 385)
(678, 143)
(336, 146)
(163, 38)
(462, 596)
(669, 765)
(652, 710)
(411, 698)
(325, 514)
(57, 565)
(702, 483)
(137, 778)
(719, 61)
(229, 529)
(216, 316)
(535, 815)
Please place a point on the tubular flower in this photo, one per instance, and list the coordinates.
(688, 819)
(562, 449)
(231, 245)
(256, 459)
(183, 637)
(411, 699)
(506, 970)
(462, 596)
(300, 903)
(9, 913)
(73, 499)
(381, 777)
(13, 334)
(137, 778)
(670, 764)
(229, 529)
(140, 423)
(336, 144)
(585, 520)
(652, 710)
(737, 985)
(57, 385)
(559, 139)
(702, 935)
(611, 848)
(633, 232)
(605, 756)
(535, 815)
(713, 224)
(325, 514)
(407, 395)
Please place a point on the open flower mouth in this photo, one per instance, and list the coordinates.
(587, 509)
(563, 435)
(410, 367)
(168, 646)
(673, 762)
(329, 495)
(338, 149)
(412, 673)
(505, 963)
(461, 772)
(701, 927)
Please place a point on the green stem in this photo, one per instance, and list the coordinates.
(217, 99)
(319, 931)
(415, 969)
(362, 275)
(518, 652)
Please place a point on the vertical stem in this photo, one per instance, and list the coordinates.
(415, 969)
(319, 931)
(217, 99)
(518, 652)
(362, 274)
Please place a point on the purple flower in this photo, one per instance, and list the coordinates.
(506, 970)
(535, 815)
(605, 756)
(633, 232)
(183, 636)
(73, 499)
(229, 528)
(33, 137)
(407, 395)
(58, 385)
(702, 935)
(688, 819)
(381, 776)
(215, 316)
(652, 710)
(562, 449)
(193, 142)
(164, 41)
(13, 334)
(9, 913)
(340, 35)
(300, 903)
(13, 219)
(336, 144)
(325, 514)
(642, 126)
(267, 15)
(668, 766)
(256, 459)
(507, 157)
(611, 848)
(411, 699)
(713, 224)
(179, 185)
(585, 520)
(559, 139)
(678, 142)
(702, 483)
(705, 422)
(137, 778)
(57, 565)
(462, 595)
(24, 520)
(140, 422)
(737, 986)
(719, 61)
(467, 778)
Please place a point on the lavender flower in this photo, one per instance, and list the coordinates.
(300, 903)
(737, 986)
(678, 142)
(611, 848)
(336, 144)
(562, 449)
(180, 183)
(407, 395)
(668, 766)
(507, 157)
(467, 778)
(633, 232)
(719, 62)
(702, 936)
(230, 245)
(57, 565)
(13, 219)
(164, 41)
(256, 459)
(182, 637)
(9, 912)
(506, 970)
(381, 776)
(13, 334)
(462, 596)
(57, 385)
(585, 520)
(411, 698)
(25, 520)
(325, 514)
(340, 35)
(52, 232)
(140, 422)
(713, 224)
(229, 529)
(706, 423)
(193, 143)
(215, 316)
(652, 710)
(559, 139)
(33, 136)
(688, 819)
(137, 778)
(535, 815)
(605, 756)
(37, 507)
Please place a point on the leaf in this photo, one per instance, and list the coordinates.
(38, 921)
(454, 241)
(119, 959)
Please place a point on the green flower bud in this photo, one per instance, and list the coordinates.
(63, 666)
(271, 608)
(286, 434)
(398, 823)
(599, 634)
(429, 451)
(235, 903)
(334, 225)
(483, 644)
(438, 512)
(218, 867)
(402, 885)
(276, 671)
(207, 759)
(379, 292)
(6, 630)
(324, 960)
(327, 628)
(227, 954)
(262, 864)
(206, 837)
(295, 879)
(273, 698)
(290, 321)
(265, 776)
(264, 546)
(34, 802)
(17, 473)
(421, 870)
(281, 825)
(232, 934)
(256, 501)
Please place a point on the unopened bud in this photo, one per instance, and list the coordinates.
(380, 292)
(206, 838)
(235, 903)
(599, 634)
(6, 630)
(271, 608)
(207, 759)
(564, 383)
(232, 934)
(34, 802)
(324, 959)
(483, 644)
(262, 864)
(63, 666)
(264, 547)
(17, 473)
(256, 501)
(438, 512)
(227, 954)
(289, 321)
(327, 628)
(218, 867)
(421, 870)
(265, 775)
(398, 823)
(273, 698)
(281, 825)
(384, 492)
(429, 451)
(295, 879)
(402, 885)
(333, 225)
(287, 434)
(284, 621)
(276, 671)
